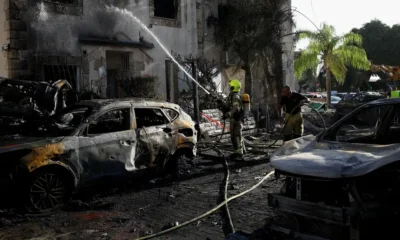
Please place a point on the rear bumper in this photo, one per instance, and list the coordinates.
(294, 234)
(320, 212)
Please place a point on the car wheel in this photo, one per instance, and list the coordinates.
(180, 165)
(46, 191)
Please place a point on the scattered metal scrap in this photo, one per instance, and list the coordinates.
(22, 100)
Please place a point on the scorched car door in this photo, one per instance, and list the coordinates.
(110, 144)
(154, 137)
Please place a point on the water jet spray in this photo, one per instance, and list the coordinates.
(137, 20)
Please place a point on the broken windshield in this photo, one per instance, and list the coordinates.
(65, 123)
(68, 120)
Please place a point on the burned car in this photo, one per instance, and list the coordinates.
(344, 179)
(94, 139)
(352, 101)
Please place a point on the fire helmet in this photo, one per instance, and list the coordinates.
(235, 85)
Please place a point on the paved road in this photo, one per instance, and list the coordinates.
(131, 209)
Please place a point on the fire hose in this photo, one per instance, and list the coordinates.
(227, 200)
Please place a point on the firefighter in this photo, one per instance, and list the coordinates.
(235, 114)
(293, 118)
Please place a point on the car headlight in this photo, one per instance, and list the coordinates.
(187, 132)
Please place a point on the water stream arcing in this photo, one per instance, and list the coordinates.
(130, 14)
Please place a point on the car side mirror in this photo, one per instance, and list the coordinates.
(167, 130)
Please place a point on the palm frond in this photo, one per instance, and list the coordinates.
(353, 39)
(306, 60)
(305, 34)
(353, 56)
(336, 64)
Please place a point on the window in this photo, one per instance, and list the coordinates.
(165, 8)
(64, 1)
(54, 73)
(125, 62)
(73, 117)
(70, 7)
(391, 133)
(363, 127)
(172, 114)
(148, 117)
(112, 121)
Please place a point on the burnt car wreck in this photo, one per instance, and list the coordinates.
(343, 180)
(93, 139)
(22, 100)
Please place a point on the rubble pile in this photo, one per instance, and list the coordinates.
(315, 119)
(212, 125)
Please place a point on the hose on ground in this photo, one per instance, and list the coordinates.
(286, 122)
(210, 211)
(226, 180)
(226, 200)
(216, 142)
(265, 146)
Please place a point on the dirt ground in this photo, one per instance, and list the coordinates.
(139, 206)
(128, 209)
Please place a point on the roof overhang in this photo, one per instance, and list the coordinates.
(114, 42)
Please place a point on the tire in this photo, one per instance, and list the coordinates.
(47, 190)
(178, 165)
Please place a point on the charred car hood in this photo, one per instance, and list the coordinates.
(17, 142)
(305, 156)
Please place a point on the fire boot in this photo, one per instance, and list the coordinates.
(296, 136)
(287, 137)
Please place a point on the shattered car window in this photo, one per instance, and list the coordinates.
(111, 121)
(171, 113)
(147, 117)
(363, 126)
(68, 120)
(394, 128)
(72, 118)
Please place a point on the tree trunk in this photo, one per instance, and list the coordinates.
(278, 72)
(328, 88)
(248, 80)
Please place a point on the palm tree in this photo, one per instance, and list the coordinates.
(336, 53)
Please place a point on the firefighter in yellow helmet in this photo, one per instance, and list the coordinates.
(235, 114)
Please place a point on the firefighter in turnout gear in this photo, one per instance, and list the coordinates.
(235, 113)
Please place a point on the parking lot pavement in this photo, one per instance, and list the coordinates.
(130, 210)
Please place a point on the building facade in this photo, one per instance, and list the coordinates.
(93, 46)
(207, 14)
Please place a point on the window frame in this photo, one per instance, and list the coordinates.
(170, 118)
(336, 127)
(85, 130)
(161, 110)
(166, 22)
(176, 8)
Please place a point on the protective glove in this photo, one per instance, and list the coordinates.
(225, 115)
(303, 102)
(220, 104)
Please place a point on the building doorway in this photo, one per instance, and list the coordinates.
(119, 66)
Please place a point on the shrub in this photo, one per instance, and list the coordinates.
(141, 86)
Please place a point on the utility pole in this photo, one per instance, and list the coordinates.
(195, 94)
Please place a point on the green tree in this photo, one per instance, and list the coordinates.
(253, 31)
(336, 53)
